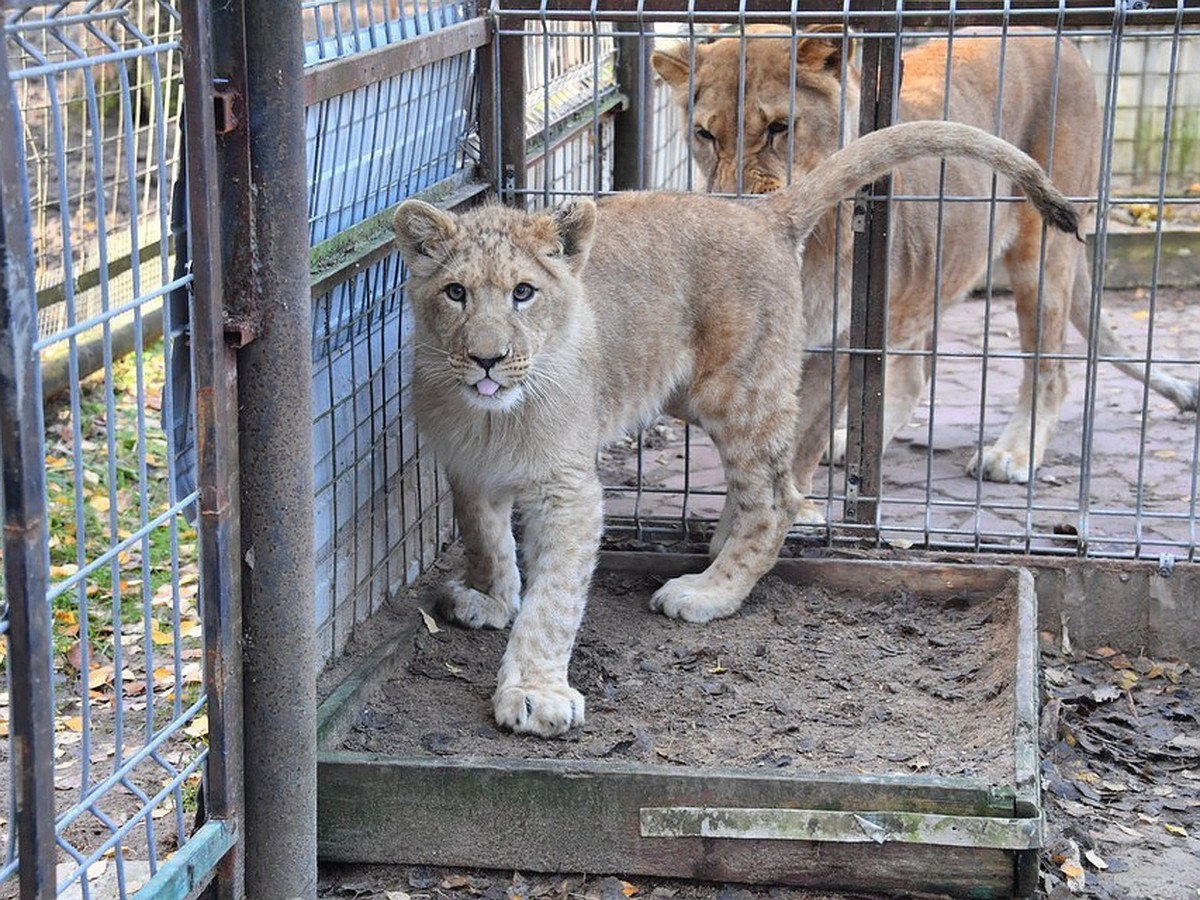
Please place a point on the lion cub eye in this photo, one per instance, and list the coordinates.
(704, 134)
(523, 293)
(455, 292)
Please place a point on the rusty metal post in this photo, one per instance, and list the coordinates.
(275, 431)
(501, 82)
(868, 311)
(25, 536)
(633, 128)
(216, 396)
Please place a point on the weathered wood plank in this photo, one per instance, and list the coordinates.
(843, 826)
(559, 817)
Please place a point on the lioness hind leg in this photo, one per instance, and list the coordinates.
(904, 382)
(812, 440)
(1017, 453)
(561, 538)
(488, 593)
(762, 503)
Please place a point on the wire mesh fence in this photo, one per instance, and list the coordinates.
(97, 86)
(381, 510)
(1119, 474)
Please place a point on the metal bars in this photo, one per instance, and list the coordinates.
(114, 570)
(1093, 497)
(26, 615)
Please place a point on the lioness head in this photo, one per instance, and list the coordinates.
(496, 293)
(773, 115)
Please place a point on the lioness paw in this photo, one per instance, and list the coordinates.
(836, 454)
(544, 709)
(1001, 465)
(693, 599)
(809, 513)
(476, 609)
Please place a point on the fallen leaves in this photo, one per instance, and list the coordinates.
(430, 624)
(1121, 758)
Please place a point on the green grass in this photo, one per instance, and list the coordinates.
(95, 506)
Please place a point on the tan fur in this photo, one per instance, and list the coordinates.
(804, 76)
(648, 301)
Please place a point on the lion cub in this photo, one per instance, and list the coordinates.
(540, 336)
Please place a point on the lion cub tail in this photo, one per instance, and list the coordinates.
(878, 152)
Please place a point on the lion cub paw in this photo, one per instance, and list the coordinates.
(1001, 465)
(476, 609)
(545, 709)
(693, 599)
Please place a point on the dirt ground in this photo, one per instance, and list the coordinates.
(804, 680)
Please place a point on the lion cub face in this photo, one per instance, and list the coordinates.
(496, 294)
(773, 117)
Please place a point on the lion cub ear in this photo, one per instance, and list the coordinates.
(575, 222)
(673, 64)
(822, 47)
(423, 230)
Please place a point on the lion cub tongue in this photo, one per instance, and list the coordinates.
(486, 386)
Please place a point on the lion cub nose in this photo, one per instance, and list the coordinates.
(486, 363)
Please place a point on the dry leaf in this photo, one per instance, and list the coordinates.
(158, 636)
(1106, 694)
(430, 624)
(1176, 830)
(1071, 867)
(198, 727)
(1095, 859)
(100, 676)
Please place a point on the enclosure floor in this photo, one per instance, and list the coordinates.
(802, 681)
(926, 492)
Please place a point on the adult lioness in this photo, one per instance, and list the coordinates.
(540, 336)
(1044, 103)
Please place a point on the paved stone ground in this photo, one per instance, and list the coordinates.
(1137, 499)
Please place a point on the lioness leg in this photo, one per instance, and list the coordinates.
(1019, 450)
(562, 523)
(904, 382)
(812, 424)
(488, 593)
(760, 506)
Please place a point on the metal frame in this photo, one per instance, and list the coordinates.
(26, 614)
